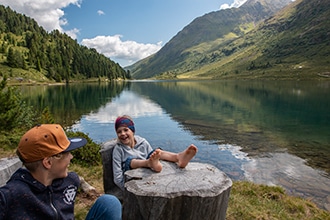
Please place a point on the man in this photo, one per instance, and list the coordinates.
(44, 189)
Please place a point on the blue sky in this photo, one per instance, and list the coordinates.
(123, 30)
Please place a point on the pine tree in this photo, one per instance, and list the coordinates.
(10, 106)
(14, 113)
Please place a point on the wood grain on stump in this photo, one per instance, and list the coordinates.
(199, 191)
(108, 184)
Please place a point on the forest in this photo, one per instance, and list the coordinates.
(27, 46)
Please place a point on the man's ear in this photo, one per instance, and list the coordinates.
(47, 162)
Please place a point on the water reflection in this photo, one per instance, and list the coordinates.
(266, 132)
(100, 124)
(291, 172)
(261, 117)
(127, 102)
(68, 102)
(157, 126)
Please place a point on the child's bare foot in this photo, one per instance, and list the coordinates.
(153, 161)
(185, 156)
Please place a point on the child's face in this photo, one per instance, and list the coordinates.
(125, 136)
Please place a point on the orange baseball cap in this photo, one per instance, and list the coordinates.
(46, 140)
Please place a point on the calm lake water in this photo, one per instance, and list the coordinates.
(273, 132)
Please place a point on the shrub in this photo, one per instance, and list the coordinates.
(15, 116)
(88, 155)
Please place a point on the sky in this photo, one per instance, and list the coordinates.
(126, 31)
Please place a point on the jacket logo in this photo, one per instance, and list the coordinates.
(70, 194)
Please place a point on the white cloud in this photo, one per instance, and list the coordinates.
(114, 48)
(48, 14)
(72, 33)
(100, 12)
(235, 4)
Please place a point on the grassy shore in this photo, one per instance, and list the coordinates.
(247, 200)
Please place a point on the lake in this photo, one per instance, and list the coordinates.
(270, 132)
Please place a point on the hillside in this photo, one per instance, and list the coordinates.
(293, 44)
(29, 54)
(186, 51)
(292, 41)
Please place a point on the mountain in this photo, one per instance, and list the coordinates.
(203, 34)
(250, 41)
(28, 53)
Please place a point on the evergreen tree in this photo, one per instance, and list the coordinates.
(15, 58)
(11, 57)
(13, 111)
(56, 53)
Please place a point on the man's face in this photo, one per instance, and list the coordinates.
(60, 164)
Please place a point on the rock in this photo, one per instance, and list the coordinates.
(85, 186)
(7, 167)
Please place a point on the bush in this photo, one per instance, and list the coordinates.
(15, 116)
(14, 113)
(88, 155)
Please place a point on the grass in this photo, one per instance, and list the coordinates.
(92, 175)
(253, 201)
(26, 76)
(247, 200)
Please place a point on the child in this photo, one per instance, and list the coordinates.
(133, 152)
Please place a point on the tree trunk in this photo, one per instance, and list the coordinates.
(199, 191)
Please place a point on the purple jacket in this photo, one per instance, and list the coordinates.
(23, 197)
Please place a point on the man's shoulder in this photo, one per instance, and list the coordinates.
(18, 180)
(17, 185)
(72, 177)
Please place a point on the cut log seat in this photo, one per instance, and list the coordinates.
(108, 184)
(199, 191)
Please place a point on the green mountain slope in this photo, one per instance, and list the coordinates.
(291, 44)
(29, 54)
(186, 50)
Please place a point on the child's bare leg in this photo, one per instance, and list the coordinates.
(153, 161)
(138, 163)
(185, 156)
(182, 158)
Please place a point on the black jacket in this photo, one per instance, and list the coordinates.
(23, 197)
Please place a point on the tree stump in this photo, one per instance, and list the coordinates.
(199, 191)
(108, 184)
